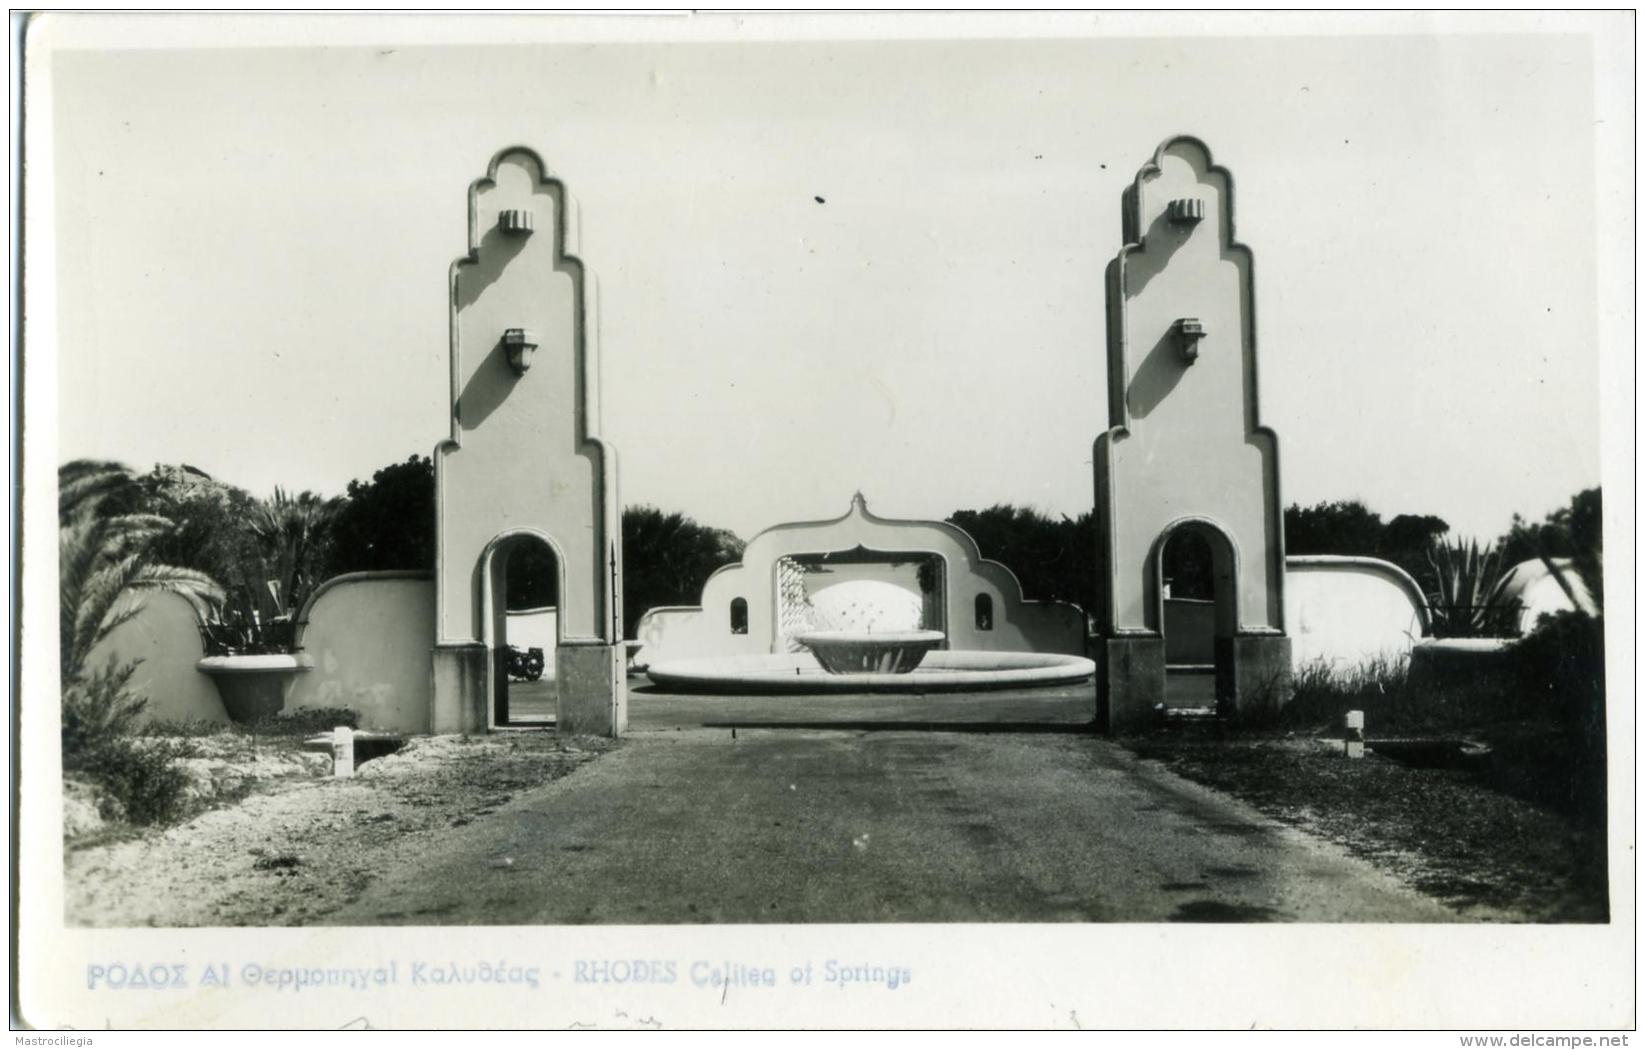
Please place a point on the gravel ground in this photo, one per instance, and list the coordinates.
(1443, 831)
(297, 844)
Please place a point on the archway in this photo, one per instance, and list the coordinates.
(1196, 569)
(523, 629)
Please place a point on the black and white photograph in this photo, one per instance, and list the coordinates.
(770, 521)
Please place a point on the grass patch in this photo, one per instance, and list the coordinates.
(1447, 832)
(1524, 831)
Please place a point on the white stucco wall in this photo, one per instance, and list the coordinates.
(165, 636)
(1346, 611)
(1538, 593)
(369, 635)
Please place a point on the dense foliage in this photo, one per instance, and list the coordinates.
(207, 516)
(1349, 527)
(1575, 531)
(1055, 560)
(667, 557)
(386, 522)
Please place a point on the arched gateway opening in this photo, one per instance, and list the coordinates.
(1198, 615)
(522, 598)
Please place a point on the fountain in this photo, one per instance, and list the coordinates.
(869, 605)
(870, 652)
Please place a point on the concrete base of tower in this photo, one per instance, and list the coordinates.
(462, 688)
(1260, 669)
(1130, 682)
(593, 688)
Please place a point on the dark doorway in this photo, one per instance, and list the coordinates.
(525, 592)
(1198, 617)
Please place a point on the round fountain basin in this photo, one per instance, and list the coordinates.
(944, 670)
(870, 652)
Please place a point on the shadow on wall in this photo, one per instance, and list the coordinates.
(1157, 375)
(487, 388)
(1161, 241)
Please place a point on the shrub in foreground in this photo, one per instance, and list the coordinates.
(139, 777)
(99, 707)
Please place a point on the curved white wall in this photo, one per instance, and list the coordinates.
(165, 636)
(369, 636)
(1535, 588)
(1346, 611)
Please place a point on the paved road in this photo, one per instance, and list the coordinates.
(1011, 812)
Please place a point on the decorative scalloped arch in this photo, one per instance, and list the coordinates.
(1018, 623)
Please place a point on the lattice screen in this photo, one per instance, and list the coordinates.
(795, 613)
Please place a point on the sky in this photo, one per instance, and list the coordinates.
(832, 265)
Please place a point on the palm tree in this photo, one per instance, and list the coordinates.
(667, 557)
(292, 532)
(103, 558)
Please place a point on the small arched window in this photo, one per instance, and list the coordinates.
(985, 612)
(739, 616)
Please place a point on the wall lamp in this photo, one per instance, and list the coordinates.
(520, 346)
(517, 221)
(1185, 211)
(1188, 332)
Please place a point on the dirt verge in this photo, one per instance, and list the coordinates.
(1447, 832)
(294, 848)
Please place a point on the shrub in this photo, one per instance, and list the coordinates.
(99, 708)
(188, 727)
(1562, 663)
(141, 776)
(306, 721)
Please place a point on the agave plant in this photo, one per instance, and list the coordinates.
(103, 558)
(1468, 601)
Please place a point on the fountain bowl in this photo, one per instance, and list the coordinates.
(870, 652)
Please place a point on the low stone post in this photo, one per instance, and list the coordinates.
(342, 752)
(1354, 735)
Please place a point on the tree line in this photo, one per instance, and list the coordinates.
(386, 522)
